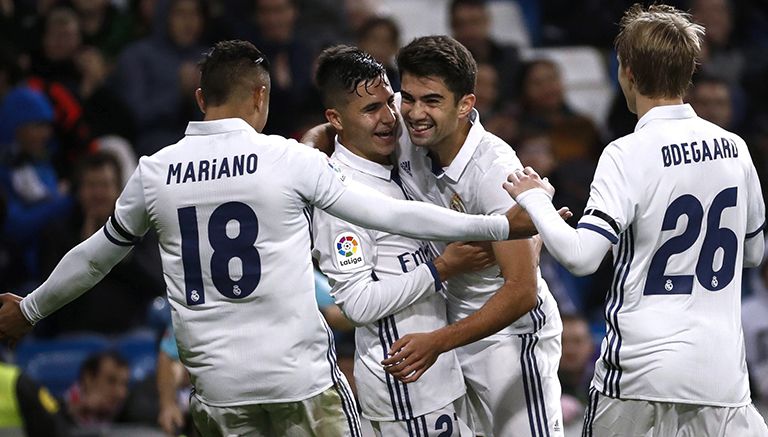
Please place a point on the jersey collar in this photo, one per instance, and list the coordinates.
(345, 156)
(459, 163)
(666, 112)
(213, 127)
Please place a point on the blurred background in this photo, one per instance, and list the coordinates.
(89, 86)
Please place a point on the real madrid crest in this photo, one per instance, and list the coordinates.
(457, 204)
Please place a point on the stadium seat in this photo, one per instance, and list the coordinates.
(55, 363)
(140, 349)
(588, 88)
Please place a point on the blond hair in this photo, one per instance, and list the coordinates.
(660, 45)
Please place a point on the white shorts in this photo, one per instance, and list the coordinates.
(453, 420)
(328, 414)
(629, 418)
(512, 383)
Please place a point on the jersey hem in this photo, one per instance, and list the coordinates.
(678, 400)
(257, 401)
(416, 413)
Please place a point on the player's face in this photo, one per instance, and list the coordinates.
(431, 111)
(369, 121)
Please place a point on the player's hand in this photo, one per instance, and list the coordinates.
(526, 179)
(13, 324)
(521, 225)
(412, 355)
(170, 419)
(321, 137)
(460, 257)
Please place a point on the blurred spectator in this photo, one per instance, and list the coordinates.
(97, 397)
(470, 23)
(380, 37)
(576, 366)
(711, 99)
(26, 405)
(157, 76)
(103, 26)
(719, 54)
(10, 70)
(35, 194)
(293, 97)
(130, 286)
(173, 388)
(754, 318)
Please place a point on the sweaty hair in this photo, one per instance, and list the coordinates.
(442, 57)
(232, 67)
(660, 46)
(341, 69)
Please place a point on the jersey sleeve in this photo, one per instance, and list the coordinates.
(320, 181)
(348, 255)
(610, 207)
(130, 221)
(492, 198)
(755, 204)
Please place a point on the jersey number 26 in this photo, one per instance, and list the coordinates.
(716, 238)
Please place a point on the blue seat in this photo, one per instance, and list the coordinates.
(55, 363)
(140, 349)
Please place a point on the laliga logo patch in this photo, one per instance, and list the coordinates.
(349, 253)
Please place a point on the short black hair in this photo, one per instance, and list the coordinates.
(341, 69)
(372, 23)
(455, 4)
(97, 160)
(232, 66)
(443, 57)
(92, 364)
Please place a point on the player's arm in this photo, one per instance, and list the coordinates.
(754, 243)
(610, 207)
(321, 137)
(81, 268)
(364, 299)
(413, 354)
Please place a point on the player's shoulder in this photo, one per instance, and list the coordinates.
(494, 153)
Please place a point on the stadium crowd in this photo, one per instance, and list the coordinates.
(89, 86)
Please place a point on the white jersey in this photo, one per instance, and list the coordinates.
(230, 206)
(388, 286)
(472, 183)
(678, 197)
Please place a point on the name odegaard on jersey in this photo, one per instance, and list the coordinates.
(698, 151)
(217, 168)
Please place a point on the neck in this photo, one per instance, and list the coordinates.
(228, 111)
(447, 150)
(645, 104)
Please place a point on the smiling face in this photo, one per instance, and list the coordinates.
(367, 121)
(431, 112)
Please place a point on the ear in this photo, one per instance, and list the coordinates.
(200, 99)
(334, 117)
(261, 98)
(466, 104)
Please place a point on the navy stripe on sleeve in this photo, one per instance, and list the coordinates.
(433, 270)
(756, 231)
(612, 238)
(121, 230)
(114, 240)
(605, 217)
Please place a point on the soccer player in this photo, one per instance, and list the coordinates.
(505, 325)
(228, 205)
(386, 284)
(680, 201)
